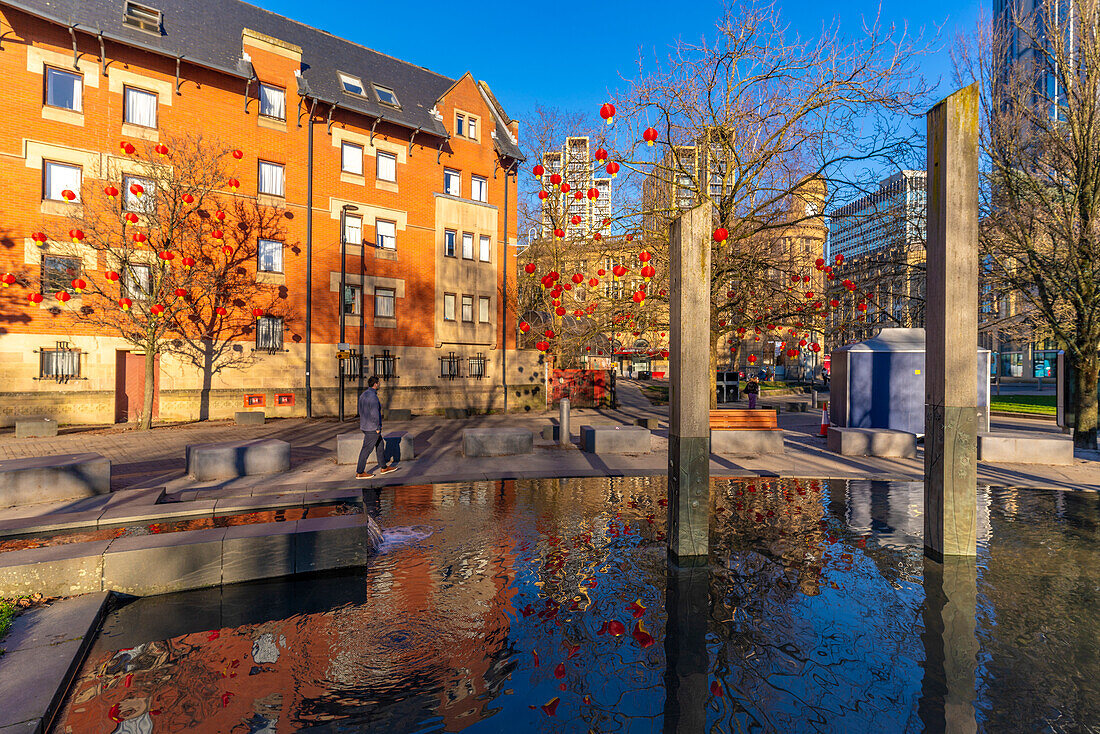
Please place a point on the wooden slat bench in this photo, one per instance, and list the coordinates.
(743, 420)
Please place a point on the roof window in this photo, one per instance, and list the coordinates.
(386, 96)
(351, 84)
(142, 16)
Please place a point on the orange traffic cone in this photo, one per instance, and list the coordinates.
(824, 424)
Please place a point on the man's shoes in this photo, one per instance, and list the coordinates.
(387, 470)
(364, 475)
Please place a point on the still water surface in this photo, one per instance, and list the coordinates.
(548, 606)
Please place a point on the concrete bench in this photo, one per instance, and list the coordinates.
(551, 433)
(763, 419)
(35, 427)
(745, 432)
(615, 439)
(237, 458)
(496, 441)
(249, 417)
(53, 478)
(647, 423)
(397, 445)
(1025, 448)
(871, 442)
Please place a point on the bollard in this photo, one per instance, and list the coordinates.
(563, 422)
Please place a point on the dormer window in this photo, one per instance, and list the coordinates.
(351, 84)
(386, 96)
(142, 16)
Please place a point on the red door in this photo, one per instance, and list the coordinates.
(130, 387)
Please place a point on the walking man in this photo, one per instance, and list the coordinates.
(752, 389)
(370, 423)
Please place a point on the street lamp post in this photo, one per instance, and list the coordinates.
(343, 293)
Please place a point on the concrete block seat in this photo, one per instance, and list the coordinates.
(397, 445)
(1025, 448)
(53, 478)
(249, 417)
(35, 428)
(871, 442)
(615, 439)
(497, 441)
(648, 423)
(398, 414)
(237, 458)
(745, 433)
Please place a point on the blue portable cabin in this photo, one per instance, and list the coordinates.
(879, 383)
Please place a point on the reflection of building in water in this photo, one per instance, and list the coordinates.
(893, 510)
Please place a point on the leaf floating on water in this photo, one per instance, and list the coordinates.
(535, 655)
(214, 635)
(643, 638)
(587, 701)
(716, 689)
(559, 672)
(637, 609)
(616, 628)
(563, 687)
(550, 708)
(573, 651)
(114, 715)
(603, 629)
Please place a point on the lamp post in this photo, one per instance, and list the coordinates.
(343, 293)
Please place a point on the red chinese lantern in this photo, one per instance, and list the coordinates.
(180, 292)
(816, 347)
(238, 154)
(555, 179)
(565, 187)
(111, 275)
(79, 285)
(34, 297)
(233, 184)
(188, 262)
(543, 346)
(156, 309)
(7, 280)
(554, 275)
(601, 272)
(39, 238)
(559, 311)
(649, 135)
(607, 112)
(592, 282)
(819, 263)
(593, 193)
(559, 233)
(600, 155)
(125, 303)
(529, 268)
(549, 333)
(567, 287)
(597, 236)
(219, 215)
(257, 312)
(721, 234)
(752, 359)
(577, 278)
(639, 296)
(188, 199)
(861, 306)
(68, 195)
(111, 192)
(805, 279)
(619, 271)
(809, 294)
(578, 194)
(543, 194)
(644, 256)
(62, 296)
(576, 219)
(801, 342)
(161, 150)
(127, 148)
(613, 168)
(524, 326)
(228, 249)
(648, 272)
(839, 259)
(130, 217)
(629, 237)
(76, 235)
(834, 302)
(217, 234)
(139, 238)
(221, 311)
(166, 256)
(137, 189)
(538, 170)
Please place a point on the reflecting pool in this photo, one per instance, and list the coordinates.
(548, 605)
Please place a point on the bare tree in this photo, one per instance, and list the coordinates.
(1040, 144)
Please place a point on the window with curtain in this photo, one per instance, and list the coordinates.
(269, 333)
(271, 179)
(58, 273)
(485, 251)
(64, 89)
(58, 177)
(387, 166)
(353, 297)
(351, 158)
(60, 363)
(477, 365)
(139, 107)
(479, 188)
(386, 234)
(449, 237)
(472, 128)
(353, 229)
(147, 202)
(452, 182)
(384, 303)
(460, 126)
(483, 309)
(468, 308)
(467, 246)
(269, 256)
(272, 102)
(137, 282)
(448, 306)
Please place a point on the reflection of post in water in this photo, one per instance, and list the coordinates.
(950, 648)
(687, 602)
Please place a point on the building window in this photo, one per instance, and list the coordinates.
(485, 252)
(269, 256)
(272, 102)
(385, 234)
(271, 179)
(144, 204)
(61, 363)
(386, 166)
(353, 298)
(137, 282)
(450, 366)
(471, 130)
(448, 306)
(452, 182)
(143, 17)
(385, 365)
(477, 366)
(58, 273)
(353, 229)
(468, 309)
(479, 188)
(351, 158)
(467, 246)
(269, 333)
(449, 237)
(139, 107)
(59, 177)
(385, 300)
(386, 96)
(64, 89)
(483, 309)
(351, 84)
(460, 126)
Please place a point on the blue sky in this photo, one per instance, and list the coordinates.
(529, 56)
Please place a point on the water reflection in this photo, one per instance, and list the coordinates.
(550, 606)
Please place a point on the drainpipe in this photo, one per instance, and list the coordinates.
(309, 269)
(504, 302)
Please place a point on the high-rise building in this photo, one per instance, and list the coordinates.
(577, 167)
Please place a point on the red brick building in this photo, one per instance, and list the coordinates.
(415, 162)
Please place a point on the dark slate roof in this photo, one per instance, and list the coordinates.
(208, 33)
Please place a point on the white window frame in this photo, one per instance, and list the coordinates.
(449, 306)
(78, 92)
(482, 183)
(485, 249)
(356, 300)
(450, 242)
(353, 229)
(148, 201)
(380, 92)
(460, 125)
(48, 168)
(467, 308)
(351, 153)
(390, 168)
(484, 310)
(467, 245)
(450, 175)
(138, 93)
(471, 128)
(281, 183)
(385, 234)
(272, 109)
(348, 79)
(278, 326)
(275, 260)
(383, 296)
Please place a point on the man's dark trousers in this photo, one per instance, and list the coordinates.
(371, 440)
